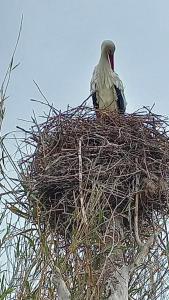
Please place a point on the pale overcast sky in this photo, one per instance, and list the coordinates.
(60, 45)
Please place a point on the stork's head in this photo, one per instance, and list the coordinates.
(108, 49)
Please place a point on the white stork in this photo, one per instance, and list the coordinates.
(106, 87)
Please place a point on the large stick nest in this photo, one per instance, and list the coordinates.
(120, 156)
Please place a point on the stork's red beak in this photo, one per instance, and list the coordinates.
(111, 60)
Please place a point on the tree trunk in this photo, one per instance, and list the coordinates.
(117, 276)
(117, 286)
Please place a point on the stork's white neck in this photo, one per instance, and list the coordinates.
(103, 54)
(103, 62)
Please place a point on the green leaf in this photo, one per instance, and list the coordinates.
(18, 212)
(6, 293)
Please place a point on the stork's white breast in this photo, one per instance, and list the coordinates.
(104, 77)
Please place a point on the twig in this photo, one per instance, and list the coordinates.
(140, 244)
(81, 182)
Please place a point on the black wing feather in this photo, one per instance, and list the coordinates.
(120, 100)
(95, 102)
